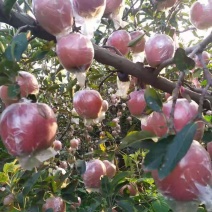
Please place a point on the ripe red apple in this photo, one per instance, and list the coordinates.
(55, 17)
(110, 168)
(28, 85)
(74, 143)
(105, 105)
(89, 9)
(136, 103)
(189, 180)
(75, 52)
(57, 145)
(95, 169)
(209, 148)
(55, 203)
(9, 200)
(184, 112)
(111, 6)
(159, 48)
(155, 123)
(120, 40)
(87, 103)
(139, 46)
(131, 188)
(200, 14)
(26, 128)
(206, 58)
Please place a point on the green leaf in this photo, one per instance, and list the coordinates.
(10, 167)
(53, 87)
(38, 55)
(153, 99)
(3, 178)
(8, 5)
(9, 69)
(160, 205)
(80, 166)
(30, 183)
(135, 138)
(106, 186)
(155, 156)
(135, 41)
(13, 91)
(4, 80)
(207, 136)
(15, 50)
(93, 206)
(177, 149)
(126, 206)
(208, 118)
(68, 193)
(182, 61)
(118, 178)
(49, 210)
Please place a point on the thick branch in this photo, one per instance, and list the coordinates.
(103, 56)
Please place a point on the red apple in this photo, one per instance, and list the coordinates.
(55, 203)
(209, 148)
(63, 164)
(57, 145)
(112, 6)
(120, 40)
(136, 103)
(139, 46)
(200, 14)
(74, 143)
(55, 17)
(28, 85)
(110, 168)
(206, 58)
(75, 52)
(27, 127)
(89, 8)
(189, 180)
(184, 112)
(158, 49)
(87, 103)
(155, 123)
(95, 169)
(9, 200)
(105, 105)
(131, 188)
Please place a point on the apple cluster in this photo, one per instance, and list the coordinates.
(27, 129)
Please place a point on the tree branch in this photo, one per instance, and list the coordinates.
(103, 56)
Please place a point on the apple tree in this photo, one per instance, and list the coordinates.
(106, 105)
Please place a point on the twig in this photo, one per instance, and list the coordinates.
(113, 48)
(175, 95)
(65, 131)
(102, 82)
(207, 76)
(185, 30)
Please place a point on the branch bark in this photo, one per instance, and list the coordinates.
(102, 55)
